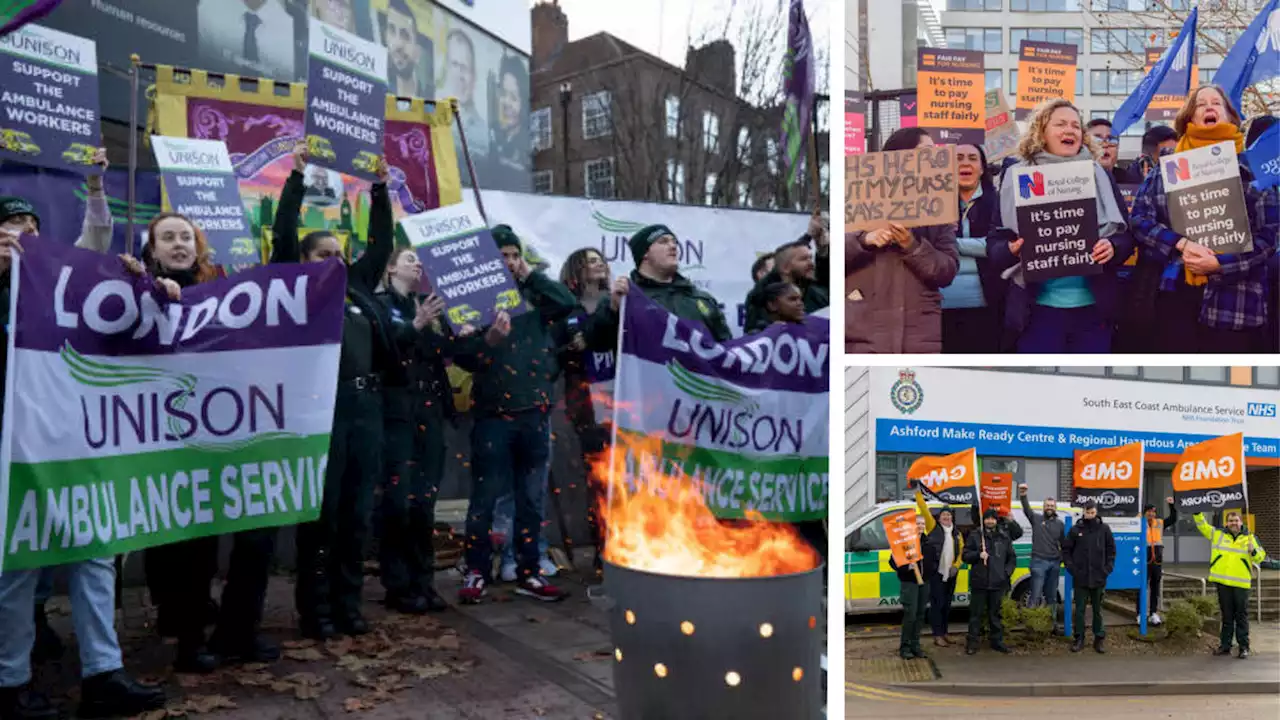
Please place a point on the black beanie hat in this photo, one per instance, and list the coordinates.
(642, 240)
(991, 513)
(504, 236)
(11, 206)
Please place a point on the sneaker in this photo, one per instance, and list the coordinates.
(539, 589)
(1155, 619)
(1244, 653)
(509, 572)
(473, 588)
(112, 694)
(25, 703)
(548, 568)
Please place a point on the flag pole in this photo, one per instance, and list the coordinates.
(815, 182)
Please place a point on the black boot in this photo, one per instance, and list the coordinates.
(115, 694)
(24, 703)
(317, 628)
(251, 649)
(1222, 650)
(406, 604)
(352, 624)
(1078, 645)
(435, 603)
(194, 659)
(48, 645)
(1098, 645)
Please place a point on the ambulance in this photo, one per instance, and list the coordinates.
(871, 586)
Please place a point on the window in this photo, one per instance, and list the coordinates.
(994, 79)
(1220, 39)
(599, 178)
(597, 115)
(673, 116)
(709, 190)
(744, 195)
(771, 149)
(1215, 375)
(985, 39)
(1058, 35)
(710, 131)
(1120, 5)
(1094, 370)
(1044, 5)
(543, 182)
(975, 5)
(744, 146)
(1266, 376)
(540, 128)
(1013, 82)
(675, 181)
(1206, 75)
(1121, 40)
(1129, 372)
(1079, 82)
(1162, 373)
(1114, 82)
(1134, 130)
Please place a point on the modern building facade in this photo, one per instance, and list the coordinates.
(878, 34)
(1031, 421)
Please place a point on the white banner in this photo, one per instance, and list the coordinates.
(717, 245)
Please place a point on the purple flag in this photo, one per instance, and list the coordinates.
(797, 85)
(16, 13)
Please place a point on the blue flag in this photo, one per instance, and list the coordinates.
(1175, 61)
(1264, 158)
(1255, 57)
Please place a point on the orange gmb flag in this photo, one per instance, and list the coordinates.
(997, 492)
(1111, 478)
(904, 537)
(1210, 475)
(953, 479)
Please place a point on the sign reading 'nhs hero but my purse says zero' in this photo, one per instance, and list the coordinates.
(1058, 219)
(1206, 198)
(346, 101)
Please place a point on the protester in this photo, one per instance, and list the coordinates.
(1156, 141)
(796, 264)
(972, 305)
(1234, 553)
(586, 274)
(915, 601)
(513, 367)
(943, 550)
(657, 275)
(761, 267)
(1100, 130)
(1269, 216)
(179, 574)
(893, 277)
(106, 689)
(1046, 553)
(1155, 557)
(1205, 302)
(1065, 314)
(989, 552)
(415, 415)
(331, 549)
(1089, 553)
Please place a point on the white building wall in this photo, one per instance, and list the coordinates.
(859, 453)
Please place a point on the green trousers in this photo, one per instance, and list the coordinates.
(1092, 596)
(413, 454)
(915, 604)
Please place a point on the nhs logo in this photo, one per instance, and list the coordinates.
(1262, 410)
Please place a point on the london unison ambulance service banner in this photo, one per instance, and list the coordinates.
(953, 479)
(1110, 477)
(1210, 475)
(746, 420)
(143, 422)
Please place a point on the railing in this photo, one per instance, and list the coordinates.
(1204, 585)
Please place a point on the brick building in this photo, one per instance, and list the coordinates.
(640, 128)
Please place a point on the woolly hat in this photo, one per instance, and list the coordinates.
(11, 206)
(991, 513)
(646, 237)
(504, 236)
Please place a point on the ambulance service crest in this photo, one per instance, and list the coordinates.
(906, 394)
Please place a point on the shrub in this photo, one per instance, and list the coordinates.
(1010, 613)
(1182, 621)
(1038, 623)
(1205, 605)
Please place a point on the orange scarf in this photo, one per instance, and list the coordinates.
(1198, 136)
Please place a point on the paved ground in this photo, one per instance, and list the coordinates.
(869, 702)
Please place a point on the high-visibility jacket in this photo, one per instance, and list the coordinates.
(1233, 555)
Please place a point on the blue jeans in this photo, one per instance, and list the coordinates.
(509, 454)
(1044, 579)
(93, 606)
(504, 521)
(1065, 330)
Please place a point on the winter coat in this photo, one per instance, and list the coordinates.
(1089, 553)
(935, 538)
(892, 298)
(422, 352)
(680, 297)
(997, 572)
(816, 294)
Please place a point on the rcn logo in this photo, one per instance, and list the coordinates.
(1262, 410)
(1177, 170)
(1032, 184)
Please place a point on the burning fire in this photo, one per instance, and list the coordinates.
(673, 532)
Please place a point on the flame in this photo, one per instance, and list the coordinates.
(673, 532)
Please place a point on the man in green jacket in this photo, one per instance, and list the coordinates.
(797, 263)
(513, 366)
(657, 275)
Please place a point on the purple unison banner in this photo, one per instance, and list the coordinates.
(463, 264)
(346, 101)
(144, 422)
(201, 184)
(61, 198)
(49, 99)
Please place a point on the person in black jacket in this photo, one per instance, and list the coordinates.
(973, 304)
(943, 552)
(989, 552)
(915, 601)
(1155, 556)
(1089, 553)
(795, 263)
(331, 549)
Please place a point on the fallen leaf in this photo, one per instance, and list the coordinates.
(297, 644)
(355, 663)
(425, 672)
(154, 714)
(357, 705)
(338, 647)
(304, 654)
(209, 703)
(254, 679)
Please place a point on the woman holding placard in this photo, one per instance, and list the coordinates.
(1072, 309)
(972, 305)
(1206, 299)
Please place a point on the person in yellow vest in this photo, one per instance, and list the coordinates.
(1155, 558)
(1235, 551)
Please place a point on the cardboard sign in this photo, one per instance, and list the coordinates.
(1058, 219)
(346, 101)
(1110, 477)
(49, 88)
(912, 188)
(1173, 91)
(855, 124)
(1046, 71)
(1002, 135)
(997, 492)
(904, 539)
(952, 479)
(1210, 475)
(463, 265)
(1206, 198)
(951, 85)
(200, 183)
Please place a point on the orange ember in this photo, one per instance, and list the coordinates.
(673, 532)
